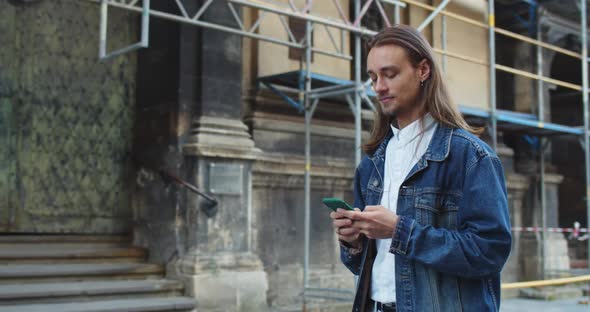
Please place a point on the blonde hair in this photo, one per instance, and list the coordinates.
(433, 93)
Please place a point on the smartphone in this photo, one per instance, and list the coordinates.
(335, 203)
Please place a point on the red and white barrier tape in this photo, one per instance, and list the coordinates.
(553, 230)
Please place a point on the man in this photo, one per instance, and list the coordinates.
(434, 231)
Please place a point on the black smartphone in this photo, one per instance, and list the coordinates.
(335, 203)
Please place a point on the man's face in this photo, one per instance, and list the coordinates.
(395, 81)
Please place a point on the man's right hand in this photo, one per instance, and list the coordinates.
(344, 229)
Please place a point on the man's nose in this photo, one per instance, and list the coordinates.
(379, 86)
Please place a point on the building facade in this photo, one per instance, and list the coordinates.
(92, 147)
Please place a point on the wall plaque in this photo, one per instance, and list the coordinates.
(225, 178)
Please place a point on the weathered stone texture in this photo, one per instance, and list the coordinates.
(74, 115)
(278, 223)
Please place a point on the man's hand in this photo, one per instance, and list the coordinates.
(373, 222)
(343, 228)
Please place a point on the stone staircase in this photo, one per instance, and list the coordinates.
(82, 273)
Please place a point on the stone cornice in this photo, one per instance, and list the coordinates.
(295, 165)
(287, 171)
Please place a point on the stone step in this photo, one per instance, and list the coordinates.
(128, 305)
(64, 238)
(74, 260)
(25, 273)
(32, 253)
(85, 291)
(85, 273)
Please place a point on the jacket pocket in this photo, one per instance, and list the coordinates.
(438, 209)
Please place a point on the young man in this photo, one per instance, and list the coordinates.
(434, 231)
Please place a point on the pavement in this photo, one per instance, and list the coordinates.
(561, 305)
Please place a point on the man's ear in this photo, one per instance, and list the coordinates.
(424, 70)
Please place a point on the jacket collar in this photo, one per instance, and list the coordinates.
(380, 151)
(438, 149)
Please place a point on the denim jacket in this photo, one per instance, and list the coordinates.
(453, 235)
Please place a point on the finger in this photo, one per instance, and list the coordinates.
(348, 238)
(347, 231)
(357, 209)
(336, 215)
(352, 215)
(359, 225)
(342, 222)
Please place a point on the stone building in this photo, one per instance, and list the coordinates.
(91, 152)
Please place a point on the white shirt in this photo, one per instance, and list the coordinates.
(403, 151)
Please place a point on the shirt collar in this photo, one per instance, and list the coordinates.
(413, 130)
(438, 150)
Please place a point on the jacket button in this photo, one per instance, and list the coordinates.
(375, 182)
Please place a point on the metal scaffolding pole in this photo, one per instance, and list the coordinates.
(542, 147)
(433, 14)
(183, 17)
(308, 115)
(357, 82)
(584, 34)
(492, 64)
(307, 17)
(540, 95)
(145, 34)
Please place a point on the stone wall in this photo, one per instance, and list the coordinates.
(72, 118)
(278, 195)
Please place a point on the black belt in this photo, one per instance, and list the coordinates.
(385, 307)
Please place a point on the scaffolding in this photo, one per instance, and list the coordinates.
(311, 87)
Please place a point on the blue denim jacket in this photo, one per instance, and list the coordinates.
(453, 235)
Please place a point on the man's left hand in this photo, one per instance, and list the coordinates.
(373, 222)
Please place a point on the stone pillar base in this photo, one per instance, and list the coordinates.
(556, 262)
(220, 137)
(218, 270)
(228, 282)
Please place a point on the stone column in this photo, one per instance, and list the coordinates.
(516, 185)
(531, 243)
(218, 266)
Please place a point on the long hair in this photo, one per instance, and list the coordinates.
(433, 94)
